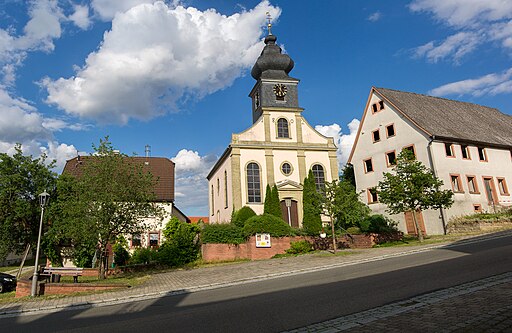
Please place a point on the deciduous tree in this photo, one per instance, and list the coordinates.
(412, 187)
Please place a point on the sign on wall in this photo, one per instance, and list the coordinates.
(263, 240)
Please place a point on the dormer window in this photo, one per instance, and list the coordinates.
(282, 128)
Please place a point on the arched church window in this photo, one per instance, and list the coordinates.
(282, 128)
(253, 183)
(318, 173)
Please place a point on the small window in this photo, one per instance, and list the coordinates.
(282, 128)
(456, 183)
(391, 158)
(390, 130)
(213, 201)
(477, 208)
(376, 135)
(482, 155)
(372, 195)
(286, 169)
(374, 108)
(218, 186)
(153, 239)
(472, 185)
(448, 148)
(381, 105)
(226, 188)
(502, 185)
(368, 165)
(411, 149)
(136, 240)
(465, 152)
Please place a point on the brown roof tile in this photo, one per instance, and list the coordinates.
(449, 119)
(161, 168)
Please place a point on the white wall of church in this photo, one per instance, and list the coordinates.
(310, 135)
(258, 156)
(292, 129)
(254, 133)
(319, 157)
(281, 156)
(221, 205)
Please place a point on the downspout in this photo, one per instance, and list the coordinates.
(431, 162)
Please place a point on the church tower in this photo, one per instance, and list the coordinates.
(279, 148)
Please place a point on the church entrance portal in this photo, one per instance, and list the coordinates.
(289, 212)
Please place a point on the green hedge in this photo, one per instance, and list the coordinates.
(267, 223)
(222, 233)
(240, 216)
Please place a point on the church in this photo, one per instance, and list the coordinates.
(279, 148)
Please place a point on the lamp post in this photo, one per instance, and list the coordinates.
(43, 201)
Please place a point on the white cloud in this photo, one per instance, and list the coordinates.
(374, 17)
(80, 17)
(107, 9)
(454, 46)
(463, 13)
(191, 184)
(474, 22)
(492, 84)
(344, 142)
(155, 56)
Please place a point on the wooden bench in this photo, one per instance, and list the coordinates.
(75, 272)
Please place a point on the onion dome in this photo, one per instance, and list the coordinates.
(272, 64)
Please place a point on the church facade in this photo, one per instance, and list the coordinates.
(279, 148)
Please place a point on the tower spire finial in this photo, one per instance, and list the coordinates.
(269, 25)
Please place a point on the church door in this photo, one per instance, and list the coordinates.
(289, 212)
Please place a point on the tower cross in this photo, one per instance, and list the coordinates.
(269, 25)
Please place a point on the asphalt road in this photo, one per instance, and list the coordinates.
(288, 302)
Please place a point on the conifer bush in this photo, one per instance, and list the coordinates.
(240, 216)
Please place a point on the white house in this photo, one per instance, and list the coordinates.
(468, 146)
(279, 148)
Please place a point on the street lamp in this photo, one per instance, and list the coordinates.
(43, 201)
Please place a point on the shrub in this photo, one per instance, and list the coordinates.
(181, 245)
(121, 254)
(299, 247)
(354, 231)
(378, 224)
(143, 255)
(267, 223)
(242, 215)
(83, 254)
(222, 233)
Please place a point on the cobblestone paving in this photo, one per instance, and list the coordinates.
(479, 306)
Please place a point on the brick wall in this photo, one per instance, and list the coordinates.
(247, 250)
(23, 288)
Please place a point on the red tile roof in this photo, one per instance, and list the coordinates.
(195, 219)
(161, 168)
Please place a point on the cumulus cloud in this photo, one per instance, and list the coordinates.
(474, 22)
(374, 17)
(191, 184)
(492, 84)
(155, 56)
(344, 142)
(107, 9)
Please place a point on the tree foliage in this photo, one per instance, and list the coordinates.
(22, 179)
(111, 197)
(412, 187)
(312, 206)
(181, 245)
(272, 205)
(239, 217)
(350, 211)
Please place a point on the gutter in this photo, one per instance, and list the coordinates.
(431, 162)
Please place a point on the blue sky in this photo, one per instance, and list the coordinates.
(175, 74)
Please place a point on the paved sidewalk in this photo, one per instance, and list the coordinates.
(185, 281)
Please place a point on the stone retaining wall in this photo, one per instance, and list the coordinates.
(477, 226)
(248, 250)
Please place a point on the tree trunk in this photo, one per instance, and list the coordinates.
(416, 224)
(333, 236)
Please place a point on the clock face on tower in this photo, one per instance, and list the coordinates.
(280, 90)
